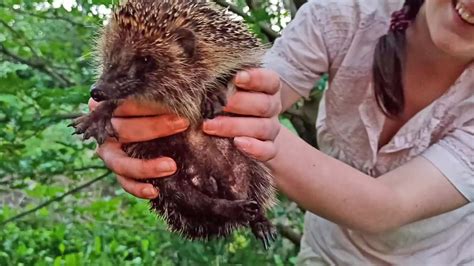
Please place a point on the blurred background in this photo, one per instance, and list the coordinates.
(58, 204)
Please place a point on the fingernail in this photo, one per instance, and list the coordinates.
(210, 126)
(150, 193)
(167, 166)
(241, 143)
(179, 123)
(242, 77)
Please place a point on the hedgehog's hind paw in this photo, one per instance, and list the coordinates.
(264, 231)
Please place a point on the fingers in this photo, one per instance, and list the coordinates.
(138, 189)
(260, 150)
(254, 104)
(131, 107)
(147, 128)
(258, 79)
(260, 128)
(148, 123)
(118, 161)
(143, 127)
(92, 104)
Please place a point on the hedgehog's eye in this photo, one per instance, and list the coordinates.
(147, 62)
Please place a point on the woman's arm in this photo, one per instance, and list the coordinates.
(344, 195)
(332, 189)
(288, 96)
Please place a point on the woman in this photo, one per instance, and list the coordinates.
(399, 107)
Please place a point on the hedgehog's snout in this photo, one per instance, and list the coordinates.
(98, 94)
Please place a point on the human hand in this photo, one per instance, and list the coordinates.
(134, 123)
(258, 99)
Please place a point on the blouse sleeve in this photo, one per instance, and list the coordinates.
(453, 155)
(300, 56)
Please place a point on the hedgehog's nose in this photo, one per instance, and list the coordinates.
(97, 94)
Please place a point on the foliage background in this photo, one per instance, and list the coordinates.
(58, 204)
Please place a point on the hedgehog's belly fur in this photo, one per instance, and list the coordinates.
(210, 192)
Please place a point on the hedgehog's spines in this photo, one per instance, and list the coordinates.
(224, 44)
(223, 48)
(196, 15)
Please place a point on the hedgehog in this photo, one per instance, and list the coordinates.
(183, 54)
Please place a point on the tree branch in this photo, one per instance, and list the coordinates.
(299, 3)
(266, 29)
(291, 6)
(39, 65)
(250, 4)
(289, 234)
(81, 169)
(46, 203)
(19, 36)
(65, 116)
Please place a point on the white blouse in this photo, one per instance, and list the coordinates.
(338, 37)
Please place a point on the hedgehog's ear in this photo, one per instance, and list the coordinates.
(187, 40)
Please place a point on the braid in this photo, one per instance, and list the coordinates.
(389, 57)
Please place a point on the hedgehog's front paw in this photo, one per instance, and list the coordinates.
(265, 231)
(213, 105)
(94, 125)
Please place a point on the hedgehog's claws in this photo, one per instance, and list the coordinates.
(100, 140)
(77, 131)
(115, 135)
(222, 98)
(264, 231)
(86, 135)
(110, 130)
(213, 104)
(208, 110)
(273, 235)
(265, 242)
(270, 235)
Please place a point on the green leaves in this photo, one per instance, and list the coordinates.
(118, 229)
(9, 67)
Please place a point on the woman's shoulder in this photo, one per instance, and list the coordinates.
(354, 10)
(350, 27)
(326, 33)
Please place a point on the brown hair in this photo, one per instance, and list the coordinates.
(389, 61)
